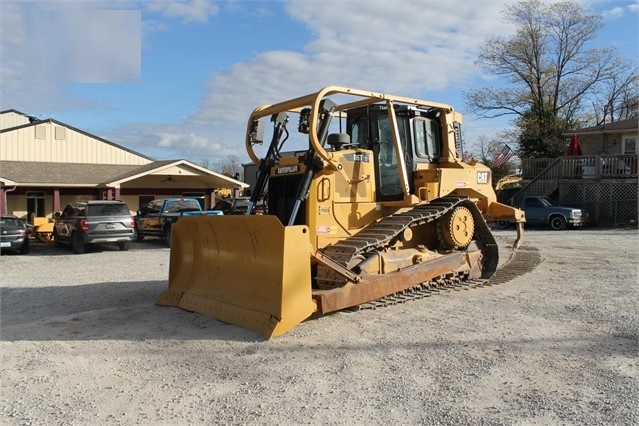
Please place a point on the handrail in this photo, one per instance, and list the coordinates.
(585, 166)
(547, 170)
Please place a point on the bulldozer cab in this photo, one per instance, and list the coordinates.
(420, 140)
(410, 144)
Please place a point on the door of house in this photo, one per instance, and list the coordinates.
(35, 204)
(143, 200)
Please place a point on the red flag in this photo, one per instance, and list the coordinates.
(574, 149)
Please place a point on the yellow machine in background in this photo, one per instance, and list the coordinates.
(370, 199)
(508, 181)
(43, 228)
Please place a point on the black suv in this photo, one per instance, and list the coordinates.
(239, 205)
(94, 222)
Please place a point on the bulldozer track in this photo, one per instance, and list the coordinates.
(382, 233)
(522, 261)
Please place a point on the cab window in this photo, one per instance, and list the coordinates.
(427, 140)
(359, 133)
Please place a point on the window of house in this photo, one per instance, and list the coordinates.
(40, 132)
(60, 133)
(629, 145)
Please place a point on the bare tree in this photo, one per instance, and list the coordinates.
(549, 71)
(618, 97)
(231, 167)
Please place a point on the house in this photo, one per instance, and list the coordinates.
(616, 138)
(603, 180)
(45, 164)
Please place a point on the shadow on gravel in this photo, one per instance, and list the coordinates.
(105, 311)
(127, 311)
(38, 248)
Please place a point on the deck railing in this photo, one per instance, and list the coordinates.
(582, 167)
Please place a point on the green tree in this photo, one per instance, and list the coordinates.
(540, 136)
(548, 70)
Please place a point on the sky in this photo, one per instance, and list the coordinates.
(178, 79)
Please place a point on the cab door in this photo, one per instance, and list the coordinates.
(386, 161)
(536, 211)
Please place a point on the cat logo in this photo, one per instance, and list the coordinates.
(287, 169)
(483, 177)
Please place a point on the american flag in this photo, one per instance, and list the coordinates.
(505, 155)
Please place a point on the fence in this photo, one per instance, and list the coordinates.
(608, 202)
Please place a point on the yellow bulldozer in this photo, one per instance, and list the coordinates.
(367, 199)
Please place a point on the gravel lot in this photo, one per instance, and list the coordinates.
(83, 343)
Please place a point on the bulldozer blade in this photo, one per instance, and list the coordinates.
(250, 271)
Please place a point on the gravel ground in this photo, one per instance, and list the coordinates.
(83, 343)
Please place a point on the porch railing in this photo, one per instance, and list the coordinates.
(582, 167)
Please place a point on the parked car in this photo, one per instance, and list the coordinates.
(543, 211)
(156, 219)
(94, 222)
(28, 224)
(13, 234)
(238, 205)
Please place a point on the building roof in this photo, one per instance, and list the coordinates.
(44, 174)
(17, 112)
(621, 126)
(61, 174)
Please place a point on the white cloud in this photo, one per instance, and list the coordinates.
(171, 141)
(613, 13)
(67, 42)
(405, 48)
(613, 9)
(17, 87)
(83, 46)
(187, 11)
(411, 48)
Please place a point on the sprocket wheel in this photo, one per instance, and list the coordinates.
(457, 228)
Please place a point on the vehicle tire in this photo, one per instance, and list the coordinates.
(25, 249)
(502, 224)
(124, 246)
(167, 236)
(558, 223)
(77, 243)
(56, 238)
